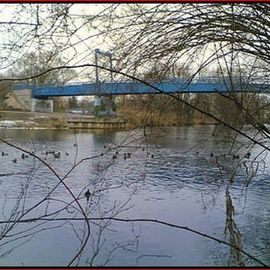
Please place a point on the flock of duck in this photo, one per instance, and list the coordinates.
(23, 156)
(55, 154)
(128, 155)
(234, 156)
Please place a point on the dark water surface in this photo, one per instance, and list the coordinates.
(172, 175)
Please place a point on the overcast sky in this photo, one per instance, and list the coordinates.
(18, 25)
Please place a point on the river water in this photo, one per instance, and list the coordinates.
(179, 175)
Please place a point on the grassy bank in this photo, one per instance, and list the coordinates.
(32, 120)
(17, 119)
(134, 118)
(143, 117)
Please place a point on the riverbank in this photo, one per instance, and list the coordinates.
(39, 120)
(126, 119)
(143, 116)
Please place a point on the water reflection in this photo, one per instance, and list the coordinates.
(174, 175)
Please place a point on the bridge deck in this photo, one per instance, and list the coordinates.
(131, 88)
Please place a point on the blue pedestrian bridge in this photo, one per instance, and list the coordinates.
(197, 85)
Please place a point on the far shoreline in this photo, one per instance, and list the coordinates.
(58, 120)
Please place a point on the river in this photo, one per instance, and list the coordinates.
(179, 175)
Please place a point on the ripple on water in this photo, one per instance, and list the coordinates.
(171, 183)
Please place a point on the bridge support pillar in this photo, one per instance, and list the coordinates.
(41, 105)
(104, 106)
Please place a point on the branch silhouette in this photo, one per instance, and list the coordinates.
(156, 221)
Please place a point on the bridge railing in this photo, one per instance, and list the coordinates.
(198, 84)
(209, 79)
